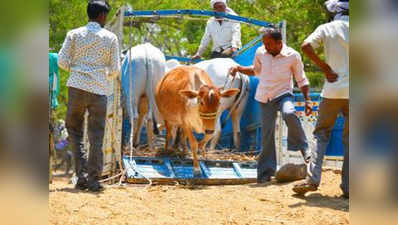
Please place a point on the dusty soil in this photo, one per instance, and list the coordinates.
(208, 205)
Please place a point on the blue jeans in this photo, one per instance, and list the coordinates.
(297, 140)
(79, 102)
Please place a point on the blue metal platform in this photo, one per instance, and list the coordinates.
(171, 170)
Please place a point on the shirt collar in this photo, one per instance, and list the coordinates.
(93, 25)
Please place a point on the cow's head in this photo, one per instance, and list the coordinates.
(208, 98)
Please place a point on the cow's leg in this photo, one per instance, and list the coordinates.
(149, 132)
(176, 137)
(142, 111)
(202, 144)
(194, 148)
(169, 134)
(236, 128)
(149, 126)
(184, 142)
(216, 135)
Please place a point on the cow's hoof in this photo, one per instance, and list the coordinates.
(197, 174)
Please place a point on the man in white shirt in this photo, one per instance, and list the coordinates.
(224, 34)
(91, 55)
(275, 65)
(335, 38)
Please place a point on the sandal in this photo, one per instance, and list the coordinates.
(304, 187)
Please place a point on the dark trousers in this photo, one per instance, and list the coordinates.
(219, 55)
(266, 163)
(79, 102)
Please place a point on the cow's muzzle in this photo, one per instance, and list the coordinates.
(209, 131)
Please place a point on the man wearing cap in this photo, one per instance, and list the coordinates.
(224, 34)
(275, 64)
(334, 36)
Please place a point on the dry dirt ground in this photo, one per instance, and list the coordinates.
(209, 205)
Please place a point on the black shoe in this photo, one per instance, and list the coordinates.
(81, 184)
(95, 187)
(263, 180)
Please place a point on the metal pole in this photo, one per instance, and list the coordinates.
(284, 31)
(131, 89)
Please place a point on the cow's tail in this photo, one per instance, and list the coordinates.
(153, 109)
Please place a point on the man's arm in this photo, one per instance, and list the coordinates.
(309, 51)
(65, 54)
(248, 70)
(312, 42)
(114, 64)
(236, 37)
(203, 43)
(302, 82)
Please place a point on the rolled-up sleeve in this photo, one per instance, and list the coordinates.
(316, 38)
(236, 36)
(298, 72)
(114, 64)
(65, 54)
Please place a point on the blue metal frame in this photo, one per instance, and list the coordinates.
(172, 12)
(183, 59)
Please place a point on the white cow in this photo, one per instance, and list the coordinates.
(139, 80)
(218, 71)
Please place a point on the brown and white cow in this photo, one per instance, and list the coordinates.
(187, 98)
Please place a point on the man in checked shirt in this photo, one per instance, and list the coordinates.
(91, 55)
(275, 65)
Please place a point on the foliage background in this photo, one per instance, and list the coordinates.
(182, 37)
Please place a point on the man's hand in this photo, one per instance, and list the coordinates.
(233, 70)
(196, 56)
(331, 76)
(308, 107)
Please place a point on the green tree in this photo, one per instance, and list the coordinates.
(178, 36)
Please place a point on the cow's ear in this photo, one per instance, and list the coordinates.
(229, 92)
(189, 93)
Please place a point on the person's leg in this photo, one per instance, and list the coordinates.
(74, 125)
(345, 171)
(297, 139)
(328, 111)
(216, 55)
(68, 159)
(96, 128)
(266, 163)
